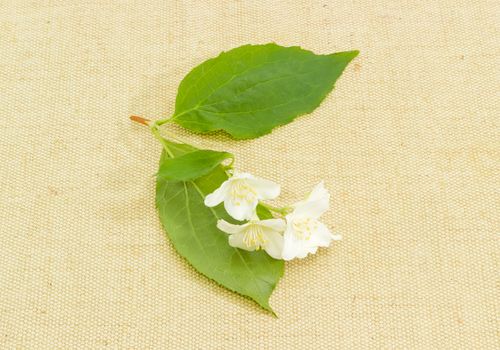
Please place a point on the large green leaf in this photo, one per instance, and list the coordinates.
(192, 229)
(251, 89)
(191, 165)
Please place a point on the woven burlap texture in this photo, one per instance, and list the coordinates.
(407, 143)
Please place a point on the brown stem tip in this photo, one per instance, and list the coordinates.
(139, 120)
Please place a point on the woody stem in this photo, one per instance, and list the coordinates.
(140, 120)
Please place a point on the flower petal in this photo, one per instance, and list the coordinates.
(225, 226)
(292, 250)
(274, 244)
(278, 225)
(236, 241)
(310, 250)
(240, 210)
(265, 189)
(311, 209)
(316, 203)
(319, 192)
(321, 237)
(217, 196)
(293, 247)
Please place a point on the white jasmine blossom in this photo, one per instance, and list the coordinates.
(304, 233)
(256, 234)
(241, 194)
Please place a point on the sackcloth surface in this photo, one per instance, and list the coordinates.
(408, 144)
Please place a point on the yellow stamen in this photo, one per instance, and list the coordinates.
(254, 237)
(303, 228)
(241, 192)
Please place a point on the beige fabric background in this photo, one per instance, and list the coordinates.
(408, 143)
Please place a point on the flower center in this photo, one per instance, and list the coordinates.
(241, 192)
(254, 237)
(304, 227)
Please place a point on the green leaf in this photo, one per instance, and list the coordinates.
(263, 213)
(251, 89)
(191, 165)
(192, 229)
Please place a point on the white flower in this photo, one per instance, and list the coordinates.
(241, 194)
(256, 234)
(304, 233)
